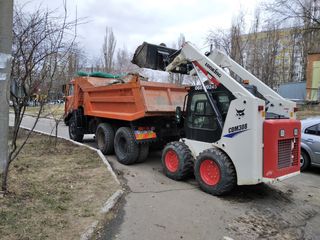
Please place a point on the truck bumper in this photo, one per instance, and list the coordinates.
(273, 180)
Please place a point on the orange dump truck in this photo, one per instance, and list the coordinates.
(126, 114)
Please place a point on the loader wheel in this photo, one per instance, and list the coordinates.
(74, 132)
(177, 161)
(143, 153)
(125, 146)
(215, 172)
(105, 138)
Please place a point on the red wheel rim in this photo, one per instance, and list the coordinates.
(171, 160)
(210, 172)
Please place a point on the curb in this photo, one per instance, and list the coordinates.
(106, 208)
(111, 202)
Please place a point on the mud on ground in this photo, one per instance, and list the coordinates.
(288, 210)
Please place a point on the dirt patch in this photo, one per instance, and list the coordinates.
(56, 192)
(286, 222)
(274, 213)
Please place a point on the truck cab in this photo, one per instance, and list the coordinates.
(69, 95)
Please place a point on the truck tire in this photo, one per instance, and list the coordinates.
(143, 153)
(74, 132)
(105, 138)
(177, 161)
(215, 172)
(125, 146)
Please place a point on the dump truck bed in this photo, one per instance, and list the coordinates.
(129, 101)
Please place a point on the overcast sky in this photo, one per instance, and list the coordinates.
(136, 21)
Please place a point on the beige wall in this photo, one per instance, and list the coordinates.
(311, 59)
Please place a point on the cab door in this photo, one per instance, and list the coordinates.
(68, 107)
(201, 122)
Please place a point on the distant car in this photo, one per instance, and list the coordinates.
(310, 143)
(57, 101)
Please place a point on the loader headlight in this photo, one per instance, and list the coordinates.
(282, 133)
(295, 132)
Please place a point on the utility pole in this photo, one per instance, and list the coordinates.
(6, 19)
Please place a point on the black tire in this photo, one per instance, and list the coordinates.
(215, 172)
(304, 161)
(177, 161)
(143, 153)
(75, 133)
(125, 146)
(105, 138)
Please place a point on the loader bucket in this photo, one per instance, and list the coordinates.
(152, 56)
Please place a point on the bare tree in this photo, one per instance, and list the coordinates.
(76, 60)
(252, 56)
(304, 16)
(269, 51)
(108, 48)
(277, 45)
(220, 39)
(97, 65)
(233, 41)
(237, 43)
(306, 11)
(123, 62)
(39, 49)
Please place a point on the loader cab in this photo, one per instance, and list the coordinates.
(200, 120)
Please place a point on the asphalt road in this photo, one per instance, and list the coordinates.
(156, 207)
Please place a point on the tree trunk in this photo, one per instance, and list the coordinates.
(4, 184)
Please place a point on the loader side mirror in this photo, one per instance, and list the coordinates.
(178, 114)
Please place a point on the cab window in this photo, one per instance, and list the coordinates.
(223, 102)
(201, 114)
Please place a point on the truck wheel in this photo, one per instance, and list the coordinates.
(215, 172)
(105, 138)
(125, 146)
(177, 161)
(74, 132)
(143, 153)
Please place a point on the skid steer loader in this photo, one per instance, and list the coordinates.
(238, 131)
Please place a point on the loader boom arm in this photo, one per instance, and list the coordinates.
(213, 66)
